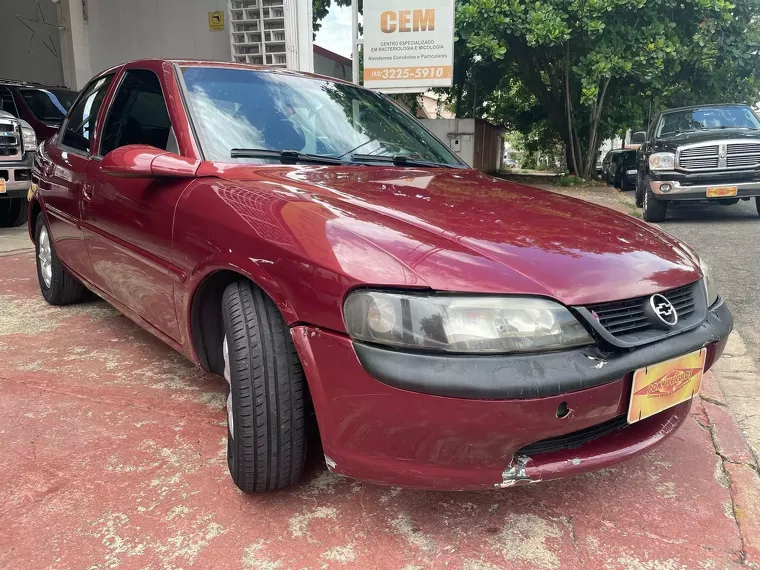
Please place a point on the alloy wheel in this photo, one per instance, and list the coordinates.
(46, 258)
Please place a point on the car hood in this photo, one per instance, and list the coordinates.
(460, 230)
(671, 143)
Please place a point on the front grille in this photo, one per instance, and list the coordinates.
(575, 439)
(699, 163)
(632, 322)
(700, 151)
(623, 317)
(10, 142)
(720, 155)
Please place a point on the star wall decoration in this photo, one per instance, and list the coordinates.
(42, 32)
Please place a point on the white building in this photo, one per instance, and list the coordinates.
(65, 42)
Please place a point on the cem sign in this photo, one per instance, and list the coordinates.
(408, 44)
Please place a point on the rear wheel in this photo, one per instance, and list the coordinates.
(728, 201)
(654, 209)
(618, 182)
(266, 439)
(57, 285)
(757, 204)
(13, 212)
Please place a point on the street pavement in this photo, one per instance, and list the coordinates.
(728, 238)
(114, 457)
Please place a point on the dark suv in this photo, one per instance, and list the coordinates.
(28, 113)
(706, 152)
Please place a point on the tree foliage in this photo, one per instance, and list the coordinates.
(320, 9)
(587, 69)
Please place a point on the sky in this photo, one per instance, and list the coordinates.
(335, 34)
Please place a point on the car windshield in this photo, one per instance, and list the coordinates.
(250, 109)
(49, 105)
(707, 118)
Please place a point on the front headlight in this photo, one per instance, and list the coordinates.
(662, 161)
(28, 139)
(461, 324)
(711, 288)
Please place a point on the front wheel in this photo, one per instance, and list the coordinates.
(266, 439)
(13, 212)
(57, 285)
(654, 209)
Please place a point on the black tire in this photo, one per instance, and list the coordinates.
(757, 204)
(654, 210)
(639, 193)
(728, 201)
(266, 446)
(13, 212)
(618, 182)
(64, 288)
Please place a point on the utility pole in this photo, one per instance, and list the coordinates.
(355, 41)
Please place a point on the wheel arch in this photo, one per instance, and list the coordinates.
(35, 208)
(205, 315)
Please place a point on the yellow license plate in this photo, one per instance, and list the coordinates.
(721, 191)
(2, 185)
(664, 385)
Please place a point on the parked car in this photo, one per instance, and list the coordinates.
(707, 152)
(316, 246)
(17, 147)
(609, 165)
(42, 106)
(28, 112)
(625, 171)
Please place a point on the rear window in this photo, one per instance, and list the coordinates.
(49, 105)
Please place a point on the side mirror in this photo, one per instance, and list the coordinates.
(145, 161)
(639, 137)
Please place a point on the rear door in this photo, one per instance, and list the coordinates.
(128, 222)
(63, 180)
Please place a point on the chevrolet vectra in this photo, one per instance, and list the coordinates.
(346, 273)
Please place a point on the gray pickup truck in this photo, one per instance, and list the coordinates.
(18, 144)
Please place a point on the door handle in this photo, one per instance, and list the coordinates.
(87, 189)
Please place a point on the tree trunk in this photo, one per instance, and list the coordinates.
(569, 110)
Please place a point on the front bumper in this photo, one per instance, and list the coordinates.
(470, 437)
(694, 185)
(17, 175)
(699, 191)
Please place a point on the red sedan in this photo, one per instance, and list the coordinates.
(312, 243)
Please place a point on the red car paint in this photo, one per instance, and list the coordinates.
(147, 238)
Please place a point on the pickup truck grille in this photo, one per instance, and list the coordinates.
(10, 141)
(719, 155)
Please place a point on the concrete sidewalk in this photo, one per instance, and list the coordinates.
(114, 457)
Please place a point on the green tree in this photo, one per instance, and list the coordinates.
(587, 69)
(321, 8)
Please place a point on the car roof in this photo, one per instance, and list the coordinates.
(30, 84)
(230, 65)
(704, 106)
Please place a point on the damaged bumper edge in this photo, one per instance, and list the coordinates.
(531, 375)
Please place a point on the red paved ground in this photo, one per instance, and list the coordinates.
(114, 457)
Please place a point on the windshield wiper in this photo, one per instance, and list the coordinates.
(284, 156)
(399, 160)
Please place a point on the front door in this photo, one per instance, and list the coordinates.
(63, 177)
(128, 221)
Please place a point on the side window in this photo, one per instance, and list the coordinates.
(138, 114)
(6, 102)
(81, 122)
